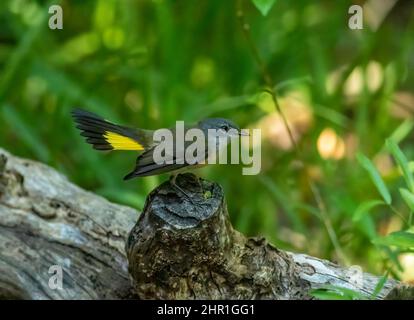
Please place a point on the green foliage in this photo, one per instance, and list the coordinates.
(404, 240)
(364, 208)
(26, 133)
(375, 177)
(337, 293)
(150, 63)
(330, 292)
(264, 6)
(399, 241)
(379, 286)
(402, 162)
(408, 198)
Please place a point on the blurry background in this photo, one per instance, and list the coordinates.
(149, 63)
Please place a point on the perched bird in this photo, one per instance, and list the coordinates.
(104, 135)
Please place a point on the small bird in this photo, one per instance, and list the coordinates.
(104, 135)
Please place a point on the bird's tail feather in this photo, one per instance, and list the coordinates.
(104, 135)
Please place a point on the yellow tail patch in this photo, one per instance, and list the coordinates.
(119, 142)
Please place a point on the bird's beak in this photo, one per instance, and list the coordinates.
(244, 133)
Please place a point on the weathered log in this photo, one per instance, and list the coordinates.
(178, 248)
(44, 221)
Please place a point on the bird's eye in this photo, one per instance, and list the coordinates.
(225, 127)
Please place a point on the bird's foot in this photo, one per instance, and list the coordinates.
(205, 194)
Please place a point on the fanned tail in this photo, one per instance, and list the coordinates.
(104, 135)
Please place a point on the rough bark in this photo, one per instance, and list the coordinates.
(45, 220)
(178, 249)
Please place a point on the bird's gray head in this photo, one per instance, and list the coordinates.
(223, 126)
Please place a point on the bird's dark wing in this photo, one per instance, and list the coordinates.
(146, 166)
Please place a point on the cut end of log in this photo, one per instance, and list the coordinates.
(200, 201)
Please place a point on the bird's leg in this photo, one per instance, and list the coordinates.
(177, 187)
(206, 193)
(200, 184)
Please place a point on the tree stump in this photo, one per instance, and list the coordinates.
(178, 250)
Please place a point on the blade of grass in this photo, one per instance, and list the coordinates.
(364, 208)
(402, 131)
(22, 50)
(25, 133)
(408, 198)
(402, 162)
(379, 286)
(400, 239)
(375, 177)
(281, 199)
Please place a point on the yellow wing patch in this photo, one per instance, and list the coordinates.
(119, 142)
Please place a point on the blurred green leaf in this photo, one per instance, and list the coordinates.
(281, 197)
(26, 133)
(401, 239)
(331, 115)
(23, 49)
(337, 293)
(408, 198)
(364, 208)
(402, 131)
(379, 286)
(264, 6)
(367, 226)
(402, 162)
(224, 104)
(375, 177)
(324, 294)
